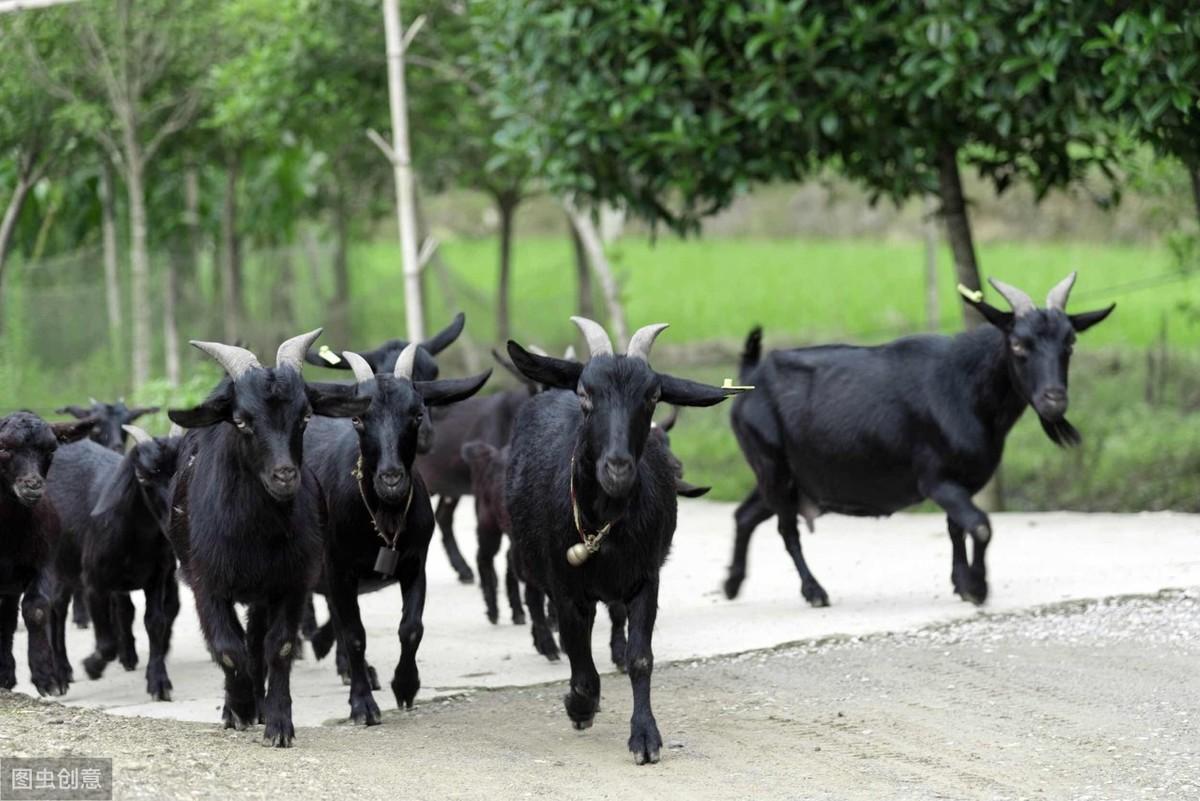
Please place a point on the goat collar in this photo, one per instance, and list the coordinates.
(588, 544)
(357, 472)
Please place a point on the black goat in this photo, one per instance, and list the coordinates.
(872, 430)
(114, 511)
(425, 368)
(29, 534)
(379, 510)
(246, 522)
(109, 431)
(592, 501)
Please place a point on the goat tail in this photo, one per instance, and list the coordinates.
(751, 354)
(323, 639)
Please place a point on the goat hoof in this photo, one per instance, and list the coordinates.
(94, 666)
(373, 677)
(279, 735)
(365, 712)
(518, 618)
(815, 595)
(159, 689)
(646, 743)
(733, 585)
(970, 587)
(8, 678)
(543, 642)
(493, 617)
(405, 689)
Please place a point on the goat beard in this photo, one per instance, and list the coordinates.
(1061, 432)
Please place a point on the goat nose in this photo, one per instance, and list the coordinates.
(284, 475)
(32, 483)
(391, 477)
(1055, 396)
(618, 466)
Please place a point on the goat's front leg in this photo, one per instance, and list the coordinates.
(8, 626)
(35, 609)
(407, 679)
(279, 649)
(352, 637)
(489, 537)
(445, 521)
(162, 606)
(59, 607)
(539, 624)
(512, 588)
(962, 515)
(79, 608)
(575, 619)
(123, 615)
(617, 644)
(227, 642)
(644, 740)
(99, 601)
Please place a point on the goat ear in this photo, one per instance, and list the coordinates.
(685, 489)
(118, 490)
(336, 400)
(72, 431)
(216, 408)
(684, 392)
(138, 411)
(445, 391)
(475, 451)
(1085, 320)
(546, 370)
(74, 411)
(444, 338)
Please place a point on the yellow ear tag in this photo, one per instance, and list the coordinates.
(739, 387)
(973, 295)
(328, 355)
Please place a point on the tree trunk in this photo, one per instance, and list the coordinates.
(1193, 172)
(932, 321)
(231, 255)
(506, 205)
(178, 256)
(592, 245)
(414, 310)
(583, 277)
(8, 225)
(191, 219)
(112, 275)
(340, 311)
(139, 269)
(958, 229)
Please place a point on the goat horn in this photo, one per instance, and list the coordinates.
(175, 430)
(643, 339)
(1057, 299)
(362, 371)
(94, 402)
(139, 435)
(233, 360)
(291, 353)
(406, 360)
(597, 338)
(569, 354)
(1021, 303)
(669, 423)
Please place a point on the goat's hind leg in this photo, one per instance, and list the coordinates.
(618, 614)
(539, 626)
(123, 614)
(512, 588)
(9, 605)
(750, 513)
(445, 521)
(162, 606)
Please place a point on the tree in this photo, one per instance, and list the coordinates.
(132, 82)
(1147, 56)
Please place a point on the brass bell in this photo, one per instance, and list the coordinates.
(577, 554)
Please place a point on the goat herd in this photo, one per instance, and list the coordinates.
(283, 487)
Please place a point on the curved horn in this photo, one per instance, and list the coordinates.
(233, 360)
(362, 371)
(643, 339)
(1021, 303)
(669, 423)
(138, 434)
(534, 349)
(1057, 299)
(291, 352)
(444, 338)
(597, 339)
(404, 362)
(175, 430)
(569, 354)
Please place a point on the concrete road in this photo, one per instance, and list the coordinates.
(888, 575)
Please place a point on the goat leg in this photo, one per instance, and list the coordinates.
(9, 605)
(279, 648)
(445, 520)
(352, 640)
(963, 516)
(162, 606)
(489, 537)
(750, 513)
(539, 626)
(59, 604)
(617, 645)
(79, 609)
(512, 588)
(35, 609)
(102, 629)
(407, 680)
(227, 642)
(123, 615)
(644, 740)
(810, 588)
(575, 620)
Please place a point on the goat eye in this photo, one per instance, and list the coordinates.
(358, 423)
(1018, 348)
(242, 425)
